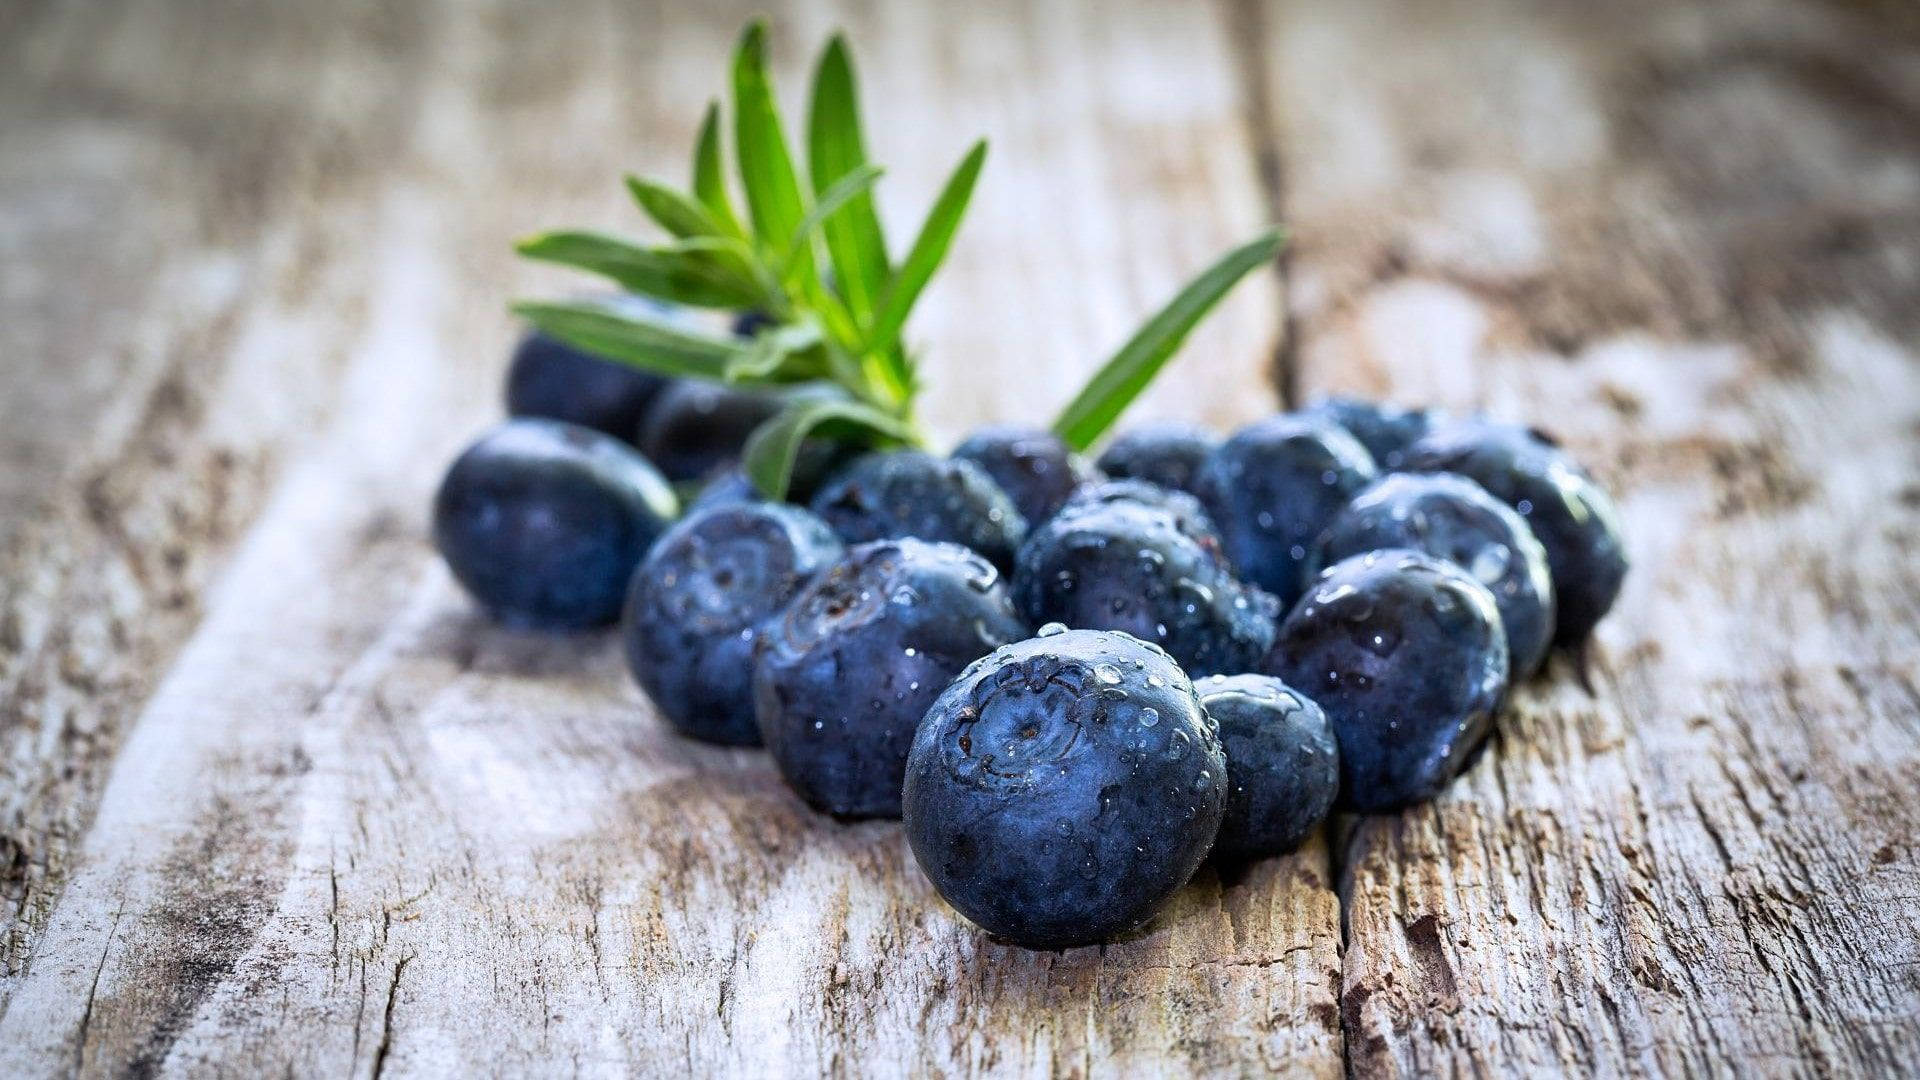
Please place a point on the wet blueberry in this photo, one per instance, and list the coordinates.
(1273, 487)
(1573, 517)
(543, 522)
(912, 493)
(1453, 518)
(844, 675)
(1169, 455)
(1283, 766)
(1385, 430)
(1406, 654)
(1133, 557)
(1063, 789)
(694, 429)
(698, 601)
(552, 379)
(1184, 507)
(1033, 467)
(729, 485)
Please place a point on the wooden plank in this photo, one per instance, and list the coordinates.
(357, 829)
(183, 276)
(1684, 238)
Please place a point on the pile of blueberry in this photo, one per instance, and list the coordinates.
(1075, 682)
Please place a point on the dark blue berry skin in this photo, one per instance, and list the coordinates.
(1385, 430)
(543, 522)
(1192, 516)
(749, 323)
(1453, 518)
(552, 379)
(817, 459)
(844, 675)
(1273, 487)
(1063, 789)
(1169, 455)
(728, 486)
(913, 493)
(694, 429)
(1406, 654)
(697, 604)
(1033, 467)
(1109, 561)
(1283, 766)
(1573, 517)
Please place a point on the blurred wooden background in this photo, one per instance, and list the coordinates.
(274, 800)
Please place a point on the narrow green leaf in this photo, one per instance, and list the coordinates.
(772, 448)
(642, 339)
(710, 175)
(692, 272)
(835, 149)
(834, 317)
(936, 236)
(760, 147)
(676, 213)
(771, 350)
(736, 260)
(1121, 379)
(831, 202)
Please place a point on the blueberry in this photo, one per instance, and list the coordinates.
(697, 603)
(1063, 789)
(728, 486)
(1451, 517)
(912, 493)
(1166, 454)
(1573, 517)
(1272, 487)
(1033, 467)
(552, 379)
(843, 676)
(749, 323)
(1283, 766)
(544, 521)
(1406, 654)
(1111, 561)
(1192, 516)
(695, 429)
(1385, 430)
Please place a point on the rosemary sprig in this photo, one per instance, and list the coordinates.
(812, 257)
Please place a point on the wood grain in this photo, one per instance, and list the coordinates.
(274, 799)
(353, 810)
(1684, 240)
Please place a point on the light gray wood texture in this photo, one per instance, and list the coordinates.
(275, 800)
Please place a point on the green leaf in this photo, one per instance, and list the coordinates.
(830, 202)
(834, 318)
(642, 339)
(772, 448)
(1121, 379)
(710, 175)
(836, 149)
(771, 350)
(737, 260)
(692, 275)
(936, 236)
(676, 213)
(760, 147)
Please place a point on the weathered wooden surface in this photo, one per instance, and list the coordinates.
(1686, 241)
(273, 799)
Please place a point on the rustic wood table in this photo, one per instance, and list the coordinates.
(274, 800)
